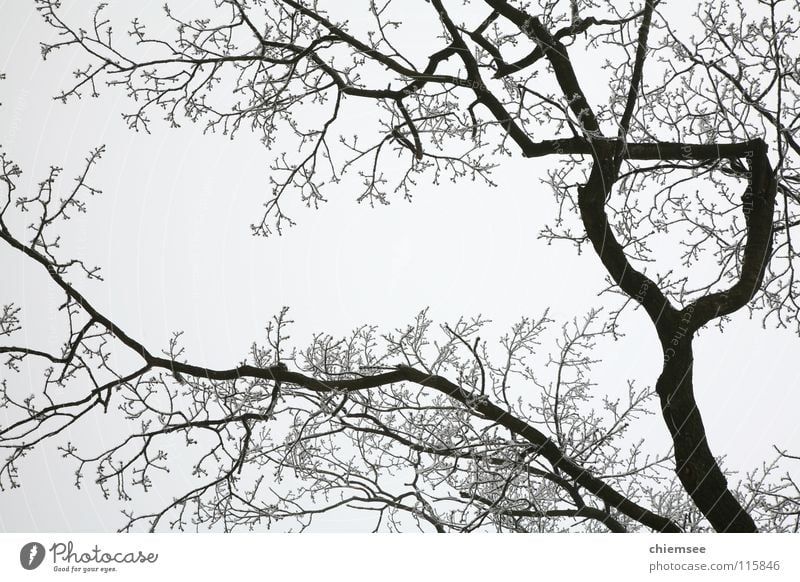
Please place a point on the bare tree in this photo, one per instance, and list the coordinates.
(697, 136)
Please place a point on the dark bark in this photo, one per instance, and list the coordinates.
(695, 464)
(540, 443)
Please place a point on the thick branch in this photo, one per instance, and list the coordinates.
(758, 206)
(280, 373)
(559, 59)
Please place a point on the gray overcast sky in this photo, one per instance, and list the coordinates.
(171, 235)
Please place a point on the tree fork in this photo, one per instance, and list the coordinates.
(695, 464)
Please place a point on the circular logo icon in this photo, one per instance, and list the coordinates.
(31, 555)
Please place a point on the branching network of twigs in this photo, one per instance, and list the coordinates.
(695, 133)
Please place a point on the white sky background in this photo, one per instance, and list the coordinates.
(171, 235)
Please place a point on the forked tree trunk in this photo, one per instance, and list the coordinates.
(695, 465)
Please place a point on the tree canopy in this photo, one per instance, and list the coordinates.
(658, 132)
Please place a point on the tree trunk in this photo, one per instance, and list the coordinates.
(695, 465)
